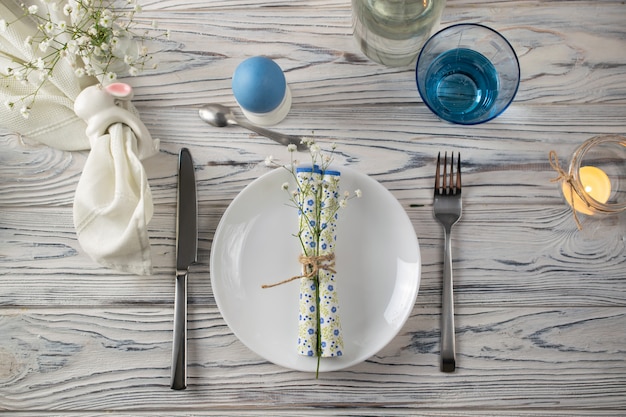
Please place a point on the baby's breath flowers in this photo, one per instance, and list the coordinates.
(98, 38)
(320, 159)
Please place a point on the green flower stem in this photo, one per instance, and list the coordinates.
(318, 333)
(318, 232)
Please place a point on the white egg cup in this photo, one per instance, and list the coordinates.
(271, 117)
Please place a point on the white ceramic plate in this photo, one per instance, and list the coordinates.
(377, 262)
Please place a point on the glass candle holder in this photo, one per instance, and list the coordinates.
(596, 181)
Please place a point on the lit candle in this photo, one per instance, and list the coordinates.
(596, 184)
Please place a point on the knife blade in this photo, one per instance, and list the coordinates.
(186, 254)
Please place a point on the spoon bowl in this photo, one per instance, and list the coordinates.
(221, 116)
(216, 115)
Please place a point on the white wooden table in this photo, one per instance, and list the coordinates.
(541, 306)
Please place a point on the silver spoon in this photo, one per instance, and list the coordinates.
(221, 116)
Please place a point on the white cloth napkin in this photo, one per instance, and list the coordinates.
(113, 203)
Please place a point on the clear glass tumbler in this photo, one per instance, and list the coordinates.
(391, 32)
(467, 74)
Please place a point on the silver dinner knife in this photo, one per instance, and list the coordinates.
(186, 254)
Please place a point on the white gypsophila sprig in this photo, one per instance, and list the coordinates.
(99, 38)
(321, 159)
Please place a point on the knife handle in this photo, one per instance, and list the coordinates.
(179, 347)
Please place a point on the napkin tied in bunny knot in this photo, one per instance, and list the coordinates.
(113, 203)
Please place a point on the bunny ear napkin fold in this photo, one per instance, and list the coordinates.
(113, 203)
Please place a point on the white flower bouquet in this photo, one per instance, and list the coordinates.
(95, 38)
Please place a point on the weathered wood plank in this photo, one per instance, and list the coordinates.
(203, 6)
(574, 54)
(360, 411)
(536, 257)
(118, 360)
(504, 161)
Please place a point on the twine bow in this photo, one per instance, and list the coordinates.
(311, 265)
(566, 177)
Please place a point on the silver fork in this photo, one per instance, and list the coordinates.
(447, 208)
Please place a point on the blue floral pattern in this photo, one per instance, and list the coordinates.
(319, 241)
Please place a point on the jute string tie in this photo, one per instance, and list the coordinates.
(311, 266)
(566, 177)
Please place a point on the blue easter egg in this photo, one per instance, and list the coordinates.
(259, 84)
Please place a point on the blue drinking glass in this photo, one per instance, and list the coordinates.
(467, 74)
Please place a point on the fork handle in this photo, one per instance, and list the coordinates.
(448, 352)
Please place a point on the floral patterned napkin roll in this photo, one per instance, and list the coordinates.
(319, 332)
(309, 180)
(330, 326)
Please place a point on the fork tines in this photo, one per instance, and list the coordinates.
(442, 185)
